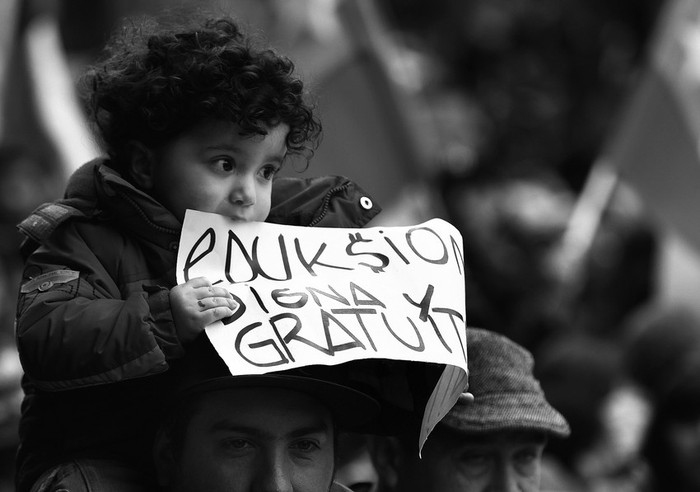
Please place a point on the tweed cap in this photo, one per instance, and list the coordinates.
(507, 397)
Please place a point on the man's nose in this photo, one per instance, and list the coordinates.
(274, 473)
(504, 479)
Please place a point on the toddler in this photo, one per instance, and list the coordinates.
(191, 117)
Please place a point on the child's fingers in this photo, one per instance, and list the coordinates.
(211, 291)
(207, 303)
(216, 314)
(219, 292)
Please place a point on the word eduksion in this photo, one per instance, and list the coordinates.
(326, 293)
(357, 248)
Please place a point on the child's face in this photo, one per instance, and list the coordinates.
(214, 169)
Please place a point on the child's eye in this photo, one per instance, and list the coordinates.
(224, 164)
(268, 172)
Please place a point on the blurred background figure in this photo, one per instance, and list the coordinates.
(663, 358)
(672, 447)
(354, 466)
(584, 378)
(513, 228)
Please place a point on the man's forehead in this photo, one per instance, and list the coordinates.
(249, 404)
(260, 429)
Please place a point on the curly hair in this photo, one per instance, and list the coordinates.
(157, 82)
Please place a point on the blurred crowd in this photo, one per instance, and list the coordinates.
(521, 97)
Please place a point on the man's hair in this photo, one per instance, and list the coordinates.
(157, 81)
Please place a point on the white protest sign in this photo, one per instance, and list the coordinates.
(310, 296)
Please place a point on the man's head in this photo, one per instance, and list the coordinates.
(274, 431)
(494, 442)
(249, 439)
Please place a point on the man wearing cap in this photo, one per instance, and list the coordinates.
(493, 442)
(272, 432)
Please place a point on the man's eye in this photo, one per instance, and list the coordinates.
(527, 460)
(473, 465)
(306, 445)
(236, 444)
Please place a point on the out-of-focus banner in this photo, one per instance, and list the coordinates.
(309, 296)
(656, 144)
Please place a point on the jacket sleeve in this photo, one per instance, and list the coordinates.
(74, 326)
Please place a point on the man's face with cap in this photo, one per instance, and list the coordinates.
(253, 439)
(494, 462)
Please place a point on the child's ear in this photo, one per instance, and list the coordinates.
(141, 161)
(163, 458)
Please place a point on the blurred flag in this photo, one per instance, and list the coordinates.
(657, 144)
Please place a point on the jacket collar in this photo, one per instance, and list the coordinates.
(97, 190)
(123, 202)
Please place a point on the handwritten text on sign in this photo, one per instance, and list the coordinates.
(326, 296)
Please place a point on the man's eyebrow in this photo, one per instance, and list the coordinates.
(320, 427)
(232, 427)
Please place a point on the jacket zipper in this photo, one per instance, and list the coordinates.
(326, 202)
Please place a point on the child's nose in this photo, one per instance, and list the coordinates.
(243, 191)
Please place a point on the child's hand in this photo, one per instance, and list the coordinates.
(196, 304)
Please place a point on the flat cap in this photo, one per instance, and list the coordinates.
(507, 397)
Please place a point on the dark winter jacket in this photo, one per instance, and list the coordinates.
(94, 328)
